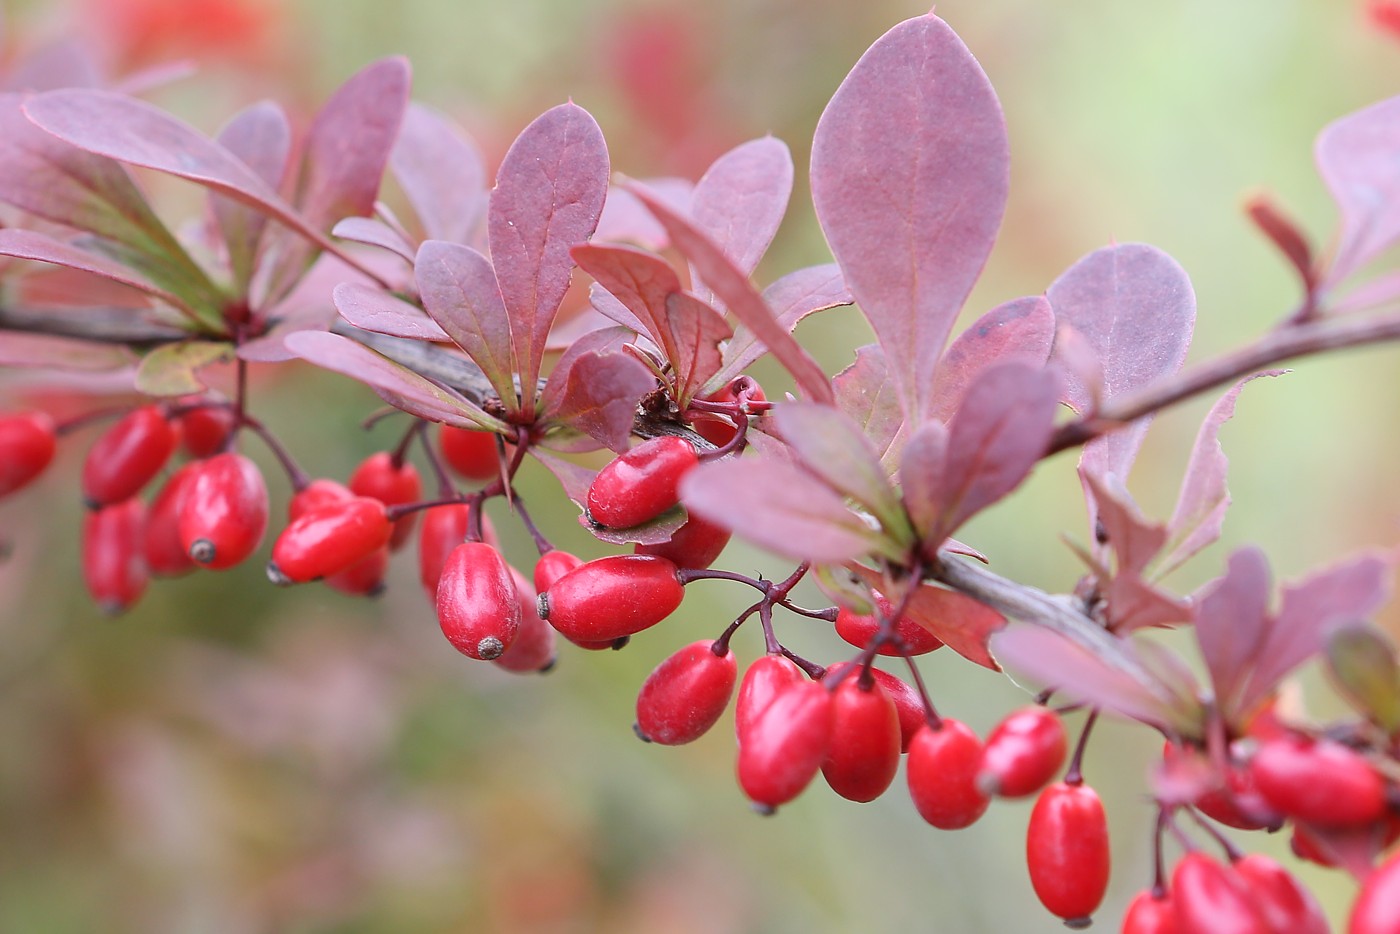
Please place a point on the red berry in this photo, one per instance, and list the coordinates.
(165, 555)
(684, 695)
(942, 773)
(1287, 907)
(612, 597)
(720, 431)
(764, 680)
(1322, 783)
(553, 565)
(782, 748)
(317, 493)
(696, 544)
(907, 703)
(533, 648)
(127, 456)
(224, 514)
(329, 539)
(1234, 802)
(863, 756)
(858, 629)
(114, 567)
(1213, 899)
(1023, 753)
(444, 528)
(641, 484)
(471, 453)
(393, 486)
(477, 605)
(1067, 851)
(27, 444)
(1148, 914)
(1377, 907)
(364, 578)
(1384, 15)
(205, 431)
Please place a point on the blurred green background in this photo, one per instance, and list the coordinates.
(228, 758)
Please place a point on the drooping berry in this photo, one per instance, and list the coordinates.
(329, 539)
(1212, 899)
(1234, 801)
(764, 679)
(444, 528)
(165, 555)
(1067, 851)
(1318, 782)
(641, 484)
(127, 456)
(393, 486)
(1377, 906)
(781, 750)
(612, 597)
(1149, 914)
(907, 703)
(205, 431)
(553, 565)
(364, 578)
(224, 514)
(684, 695)
(858, 629)
(696, 544)
(471, 453)
(114, 567)
(716, 429)
(942, 774)
(1023, 753)
(1287, 907)
(477, 605)
(27, 445)
(533, 648)
(863, 756)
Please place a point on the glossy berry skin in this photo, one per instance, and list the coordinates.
(127, 456)
(696, 544)
(27, 445)
(782, 748)
(224, 515)
(1286, 907)
(319, 492)
(907, 704)
(443, 529)
(364, 578)
(641, 484)
(858, 629)
(764, 680)
(477, 605)
(863, 756)
(553, 565)
(1023, 753)
(205, 431)
(1067, 851)
(165, 555)
(719, 431)
(377, 477)
(329, 539)
(114, 567)
(942, 774)
(612, 597)
(470, 453)
(1212, 899)
(1377, 906)
(1234, 802)
(1148, 914)
(1322, 783)
(684, 695)
(533, 648)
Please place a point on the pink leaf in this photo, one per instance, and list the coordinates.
(373, 232)
(792, 298)
(18, 349)
(549, 193)
(865, 392)
(600, 395)
(62, 64)
(375, 310)
(640, 281)
(740, 201)
(1023, 328)
(32, 245)
(963, 624)
(458, 289)
(1131, 602)
(922, 465)
(695, 330)
(261, 137)
(1356, 158)
(1232, 626)
(575, 479)
(909, 178)
(1081, 365)
(441, 173)
(626, 220)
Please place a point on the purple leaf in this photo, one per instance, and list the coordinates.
(606, 305)
(549, 193)
(922, 465)
(626, 220)
(909, 179)
(458, 288)
(779, 507)
(32, 245)
(441, 173)
(600, 395)
(598, 341)
(961, 622)
(1023, 328)
(396, 385)
(1081, 365)
(737, 292)
(1356, 158)
(1232, 626)
(640, 281)
(792, 298)
(373, 232)
(170, 369)
(1373, 293)
(62, 64)
(1131, 602)
(740, 201)
(1200, 506)
(695, 330)
(373, 309)
(575, 479)
(865, 392)
(261, 137)
(18, 349)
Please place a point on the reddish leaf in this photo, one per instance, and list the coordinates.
(606, 305)
(1023, 328)
(598, 341)
(261, 137)
(1284, 232)
(696, 331)
(600, 395)
(573, 478)
(32, 245)
(18, 349)
(737, 292)
(922, 465)
(1232, 625)
(62, 64)
(960, 621)
(909, 179)
(740, 201)
(549, 193)
(458, 289)
(865, 392)
(375, 310)
(1082, 367)
(441, 173)
(1131, 602)
(640, 281)
(792, 298)
(625, 219)
(373, 232)
(1356, 158)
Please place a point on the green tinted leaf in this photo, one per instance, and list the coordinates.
(1362, 664)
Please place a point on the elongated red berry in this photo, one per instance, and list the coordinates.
(612, 597)
(858, 629)
(764, 679)
(684, 695)
(224, 514)
(444, 528)
(696, 544)
(1287, 907)
(377, 476)
(1023, 753)
(533, 648)
(364, 578)
(329, 539)
(471, 453)
(27, 445)
(942, 774)
(1067, 851)
(907, 703)
(1211, 898)
(1318, 782)
(641, 484)
(863, 756)
(1234, 801)
(205, 431)
(781, 750)
(114, 567)
(1149, 914)
(1377, 906)
(127, 456)
(553, 565)
(477, 605)
(165, 554)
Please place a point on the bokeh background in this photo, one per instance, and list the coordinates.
(230, 759)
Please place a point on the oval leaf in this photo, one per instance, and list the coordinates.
(441, 173)
(458, 288)
(1356, 158)
(375, 310)
(1023, 328)
(740, 201)
(170, 370)
(1362, 663)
